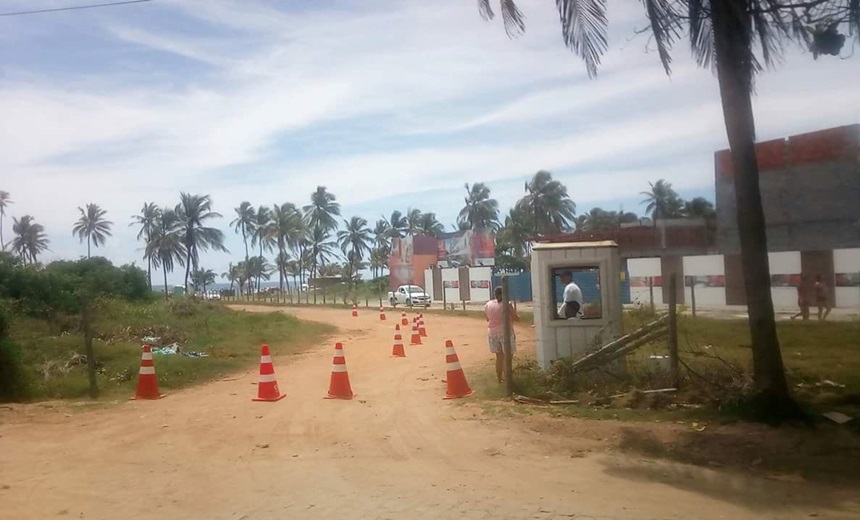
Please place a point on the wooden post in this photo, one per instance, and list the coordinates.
(651, 291)
(673, 330)
(444, 299)
(366, 302)
(324, 300)
(693, 294)
(464, 305)
(506, 343)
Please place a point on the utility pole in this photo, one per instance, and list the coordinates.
(506, 344)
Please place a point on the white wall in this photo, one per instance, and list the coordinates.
(705, 265)
(428, 284)
(477, 294)
(847, 261)
(645, 267)
(784, 263)
(452, 295)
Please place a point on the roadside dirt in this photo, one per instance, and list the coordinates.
(396, 451)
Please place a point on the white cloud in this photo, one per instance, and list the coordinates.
(382, 100)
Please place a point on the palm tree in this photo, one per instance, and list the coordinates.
(282, 262)
(516, 235)
(231, 274)
(355, 238)
(243, 224)
(5, 200)
(662, 201)
(480, 211)
(93, 226)
(547, 200)
(30, 239)
(285, 230)
(397, 226)
(202, 278)
(724, 35)
(382, 235)
(322, 210)
(293, 270)
(413, 221)
(429, 225)
(378, 261)
(262, 236)
(321, 248)
(258, 269)
(193, 212)
(147, 220)
(166, 247)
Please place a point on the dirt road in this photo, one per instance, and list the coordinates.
(396, 451)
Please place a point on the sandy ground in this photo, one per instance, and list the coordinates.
(396, 451)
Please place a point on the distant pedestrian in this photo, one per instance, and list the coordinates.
(822, 298)
(571, 298)
(496, 330)
(802, 298)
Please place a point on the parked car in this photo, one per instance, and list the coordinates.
(409, 295)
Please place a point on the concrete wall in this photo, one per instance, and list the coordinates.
(810, 186)
(639, 270)
(480, 284)
(846, 266)
(705, 273)
(556, 338)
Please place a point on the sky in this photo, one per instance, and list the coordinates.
(389, 104)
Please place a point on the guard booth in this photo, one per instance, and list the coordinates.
(596, 268)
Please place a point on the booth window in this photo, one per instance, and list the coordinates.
(587, 278)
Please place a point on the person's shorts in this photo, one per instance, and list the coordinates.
(497, 342)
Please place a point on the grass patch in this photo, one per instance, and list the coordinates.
(231, 339)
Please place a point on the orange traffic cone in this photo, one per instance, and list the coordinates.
(398, 351)
(421, 329)
(416, 336)
(354, 310)
(147, 381)
(403, 319)
(457, 385)
(381, 313)
(339, 387)
(267, 386)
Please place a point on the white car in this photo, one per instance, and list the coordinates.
(409, 295)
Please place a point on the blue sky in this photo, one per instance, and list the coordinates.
(390, 104)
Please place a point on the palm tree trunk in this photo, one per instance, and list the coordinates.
(734, 70)
(88, 247)
(245, 238)
(149, 272)
(2, 242)
(165, 283)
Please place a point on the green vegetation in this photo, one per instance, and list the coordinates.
(231, 339)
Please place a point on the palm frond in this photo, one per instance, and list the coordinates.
(701, 34)
(665, 28)
(583, 27)
(486, 10)
(514, 19)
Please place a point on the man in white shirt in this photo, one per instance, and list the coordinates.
(572, 299)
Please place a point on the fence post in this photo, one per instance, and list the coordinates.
(464, 305)
(444, 299)
(651, 291)
(673, 330)
(506, 342)
(693, 294)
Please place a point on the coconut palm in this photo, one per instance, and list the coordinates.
(202, 278)
(231, 275)
(480, 211)
(321, 248)
(413, 222)
(147, 220)
(30, 239)
(285, 231)
(355, 237)
(243, 224)
(5, 200)
(662, 202)
(322, 210)
(292, 270)
(378, 261)
(166, 247)
(429, 225)
(92, 226)
(261, 233)
(547, 201)
(725, 35)
(382, 235)
(193, 212)
(398, 226)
